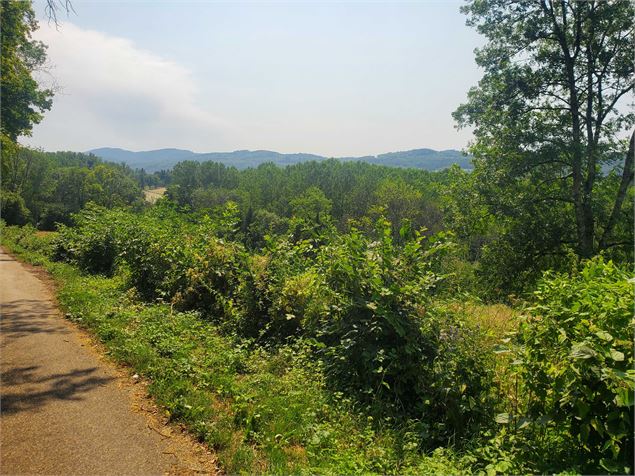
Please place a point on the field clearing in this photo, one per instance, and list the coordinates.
(153, 194)
(498, 318)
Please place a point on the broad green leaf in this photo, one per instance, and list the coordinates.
(625, 397)
(617, 355)
(501, 349)
(523, 423)
(582, 351)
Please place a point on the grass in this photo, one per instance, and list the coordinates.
(261, 410)
(151, 195)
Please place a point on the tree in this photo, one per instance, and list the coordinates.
(400, 202)
(23, 100)
(548, 115)
(312, 206)
(14, 211)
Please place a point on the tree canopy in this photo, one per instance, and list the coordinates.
(549, 122)
(23, 99)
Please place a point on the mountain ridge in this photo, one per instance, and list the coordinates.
(154, 160)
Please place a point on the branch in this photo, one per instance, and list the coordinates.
(53, 6)
(618, 243)
(614, 101)
(627, 178)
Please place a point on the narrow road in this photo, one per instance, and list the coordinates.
(63, 409)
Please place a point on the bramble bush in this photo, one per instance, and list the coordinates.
(366, 303)
(365, 310)
(92, 242)
(388, 343)
(569, 383)
(577, 354)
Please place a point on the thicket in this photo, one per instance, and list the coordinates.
(374, 314)
(500, 248)
(365, 301)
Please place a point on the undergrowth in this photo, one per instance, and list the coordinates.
(558, 377)
(261, 410)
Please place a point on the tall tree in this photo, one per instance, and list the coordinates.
(23, 100)
(548, 114)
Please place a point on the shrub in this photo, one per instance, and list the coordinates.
(212, 279)
(577, 359)
(372, 332)
(154, 256)
(54, 214)
(92, 243)
(385, 342)
(365, 304)
(13, 208)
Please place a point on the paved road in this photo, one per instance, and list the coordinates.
(63, 410)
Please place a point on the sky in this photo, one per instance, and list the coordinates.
(330, 78)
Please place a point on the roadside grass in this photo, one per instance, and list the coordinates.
(261, 410)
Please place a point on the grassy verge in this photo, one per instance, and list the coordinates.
(262, 411)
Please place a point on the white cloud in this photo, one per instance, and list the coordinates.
(116, 94)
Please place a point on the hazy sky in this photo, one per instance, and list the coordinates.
(330, 78)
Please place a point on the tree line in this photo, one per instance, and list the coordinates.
(44, 189)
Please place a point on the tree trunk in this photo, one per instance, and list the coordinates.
(581, 200)
(627, 179)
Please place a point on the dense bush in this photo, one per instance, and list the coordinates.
(373, 330)
(365, 303)
(578, 363)
(212, 279)
(154, 251)
(92, 244)
(13, 208)
(366, 308)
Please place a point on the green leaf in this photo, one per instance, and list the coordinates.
(583, 408)
(523, 423)
(625, 397)
(617, 355)
(597, 426)
(582, 351)
(501, 349)
(611, 466)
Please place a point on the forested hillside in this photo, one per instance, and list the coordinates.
(156, 160)
(345, 317)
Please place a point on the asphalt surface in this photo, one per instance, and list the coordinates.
(63, 409)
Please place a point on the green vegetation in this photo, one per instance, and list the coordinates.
(23, 100)
(552, 155)
(43, 188)
(344, 317)
(262, 408)
(339, 353)
(336, 193)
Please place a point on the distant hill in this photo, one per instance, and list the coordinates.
(154, 160)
